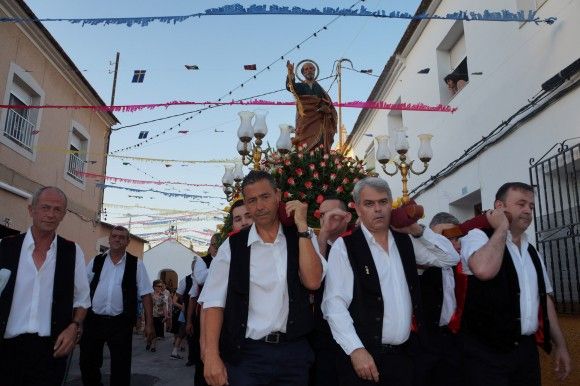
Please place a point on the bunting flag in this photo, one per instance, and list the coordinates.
(163, 210)
(146, 159)
(371, 105)
(142, 182)
(169, 194)
(240, 10)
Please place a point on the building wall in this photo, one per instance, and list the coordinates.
(26, 51)
(515, 59)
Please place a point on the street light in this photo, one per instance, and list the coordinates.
(383, 155)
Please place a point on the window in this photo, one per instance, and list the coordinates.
(453, 72)
(138, 76)
(77, 158)
(20, 126)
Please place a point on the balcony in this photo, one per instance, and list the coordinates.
(76, 166)
(19, 129)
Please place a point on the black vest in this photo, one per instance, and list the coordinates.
(207, 259)
(238, 295)
(63, 288)
(492, 307)
(367, 305)
(128, 285)
(321, 336)
(185, 296)
(432, 296)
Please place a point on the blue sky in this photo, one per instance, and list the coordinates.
(220, 46)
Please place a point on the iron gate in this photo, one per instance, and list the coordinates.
(555, 178)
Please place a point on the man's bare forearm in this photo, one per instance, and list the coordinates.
(148, 308)
(213, 321)
(486, 262)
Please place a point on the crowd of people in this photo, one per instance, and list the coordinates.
(276, 304)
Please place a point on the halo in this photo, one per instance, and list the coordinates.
(298, 71)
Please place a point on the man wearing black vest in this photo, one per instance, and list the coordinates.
(44, 302)
(257, 295)
(372, 296)
(334, 220)
(439, 358)
(508, 300)
(116, 279)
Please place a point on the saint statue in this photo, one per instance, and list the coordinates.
(316, 117)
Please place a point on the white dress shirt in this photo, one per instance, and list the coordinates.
(194, 290)
(448, 280)
(527, 277)
(394, 289)
(31, 308)
(268, 298)
(108, 297)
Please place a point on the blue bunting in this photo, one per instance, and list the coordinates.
(170, 194)
(238, 9)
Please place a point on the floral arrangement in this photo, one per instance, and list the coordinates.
(312, 176)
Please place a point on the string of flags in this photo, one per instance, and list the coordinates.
(240, 10)
(177, 161)
(141, 182)
(372, 105)
(169, 194)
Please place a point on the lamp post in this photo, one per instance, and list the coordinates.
(252, 152)
(383, 155)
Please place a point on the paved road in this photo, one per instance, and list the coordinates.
(148, 369)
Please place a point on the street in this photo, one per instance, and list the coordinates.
(148, 368)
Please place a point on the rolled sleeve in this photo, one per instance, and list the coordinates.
(322, 259)
(82, 292)
(144, 286)
(434, 250)
(200, 271)
(337, 298)
(471, 243)
(181, 287)
(216, 284)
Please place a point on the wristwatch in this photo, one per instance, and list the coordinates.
(306, 234)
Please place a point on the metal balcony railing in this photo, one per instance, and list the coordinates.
(19, 129)
(76, 166)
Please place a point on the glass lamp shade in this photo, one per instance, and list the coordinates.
(238, 172)
(401, 141)
(260, 126)
(245, 131)
(228, 178)
(284, 143)
(243, 148)
(383, 152)
(425, 151)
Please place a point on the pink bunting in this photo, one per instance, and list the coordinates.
(372, 105)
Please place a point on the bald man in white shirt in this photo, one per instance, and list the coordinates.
(44, 303)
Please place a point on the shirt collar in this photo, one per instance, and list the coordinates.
(28, 241)
(120, 261)
(370, 238)
(253, 236)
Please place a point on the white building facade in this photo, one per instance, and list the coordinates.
(486, 142)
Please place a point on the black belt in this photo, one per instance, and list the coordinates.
(393, 348)
(275, 338)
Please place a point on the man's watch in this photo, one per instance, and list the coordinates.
(306, 234)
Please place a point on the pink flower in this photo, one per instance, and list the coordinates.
(338, 166)
(279, 170)
(351, 204)
(319, 199)
(300, 155)
(325, 187)
(301, 195)
(345, 180)
(315, 175)
(340, 189)
(322, 164)
(308, 184)
(325, 156)
(287, 162)
(287, 195)
(291, 181)
(356, 179)
(316, 213)
(299, 172)
(332, 176)
(311, 166)
(312, 153)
